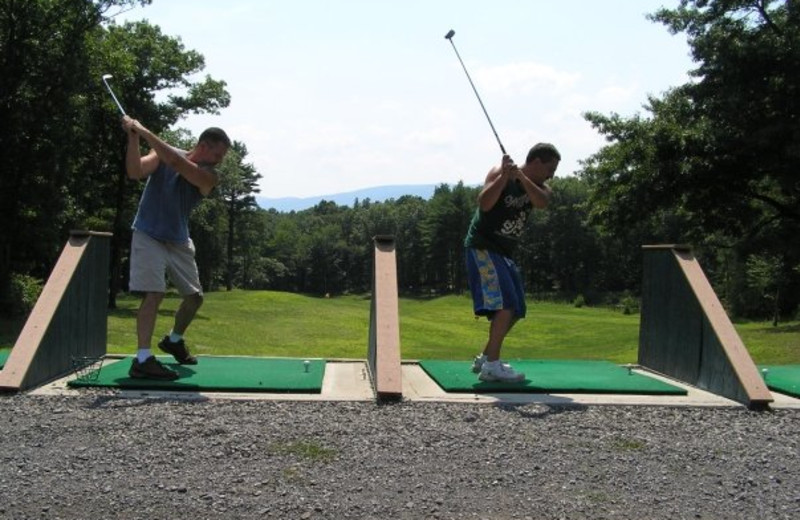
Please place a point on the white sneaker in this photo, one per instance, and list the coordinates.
(478, 362)
(499, 371)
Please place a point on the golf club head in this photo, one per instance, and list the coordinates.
(450, 34)
(105, 78)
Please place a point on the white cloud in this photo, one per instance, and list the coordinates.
(329, 98)
(430, 137)
(525, 78)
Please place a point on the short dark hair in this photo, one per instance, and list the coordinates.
(215, 135)
(545, 152)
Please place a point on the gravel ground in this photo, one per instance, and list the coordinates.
(101, 456)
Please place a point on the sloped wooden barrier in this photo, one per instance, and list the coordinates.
(686, 334)
(68, 326)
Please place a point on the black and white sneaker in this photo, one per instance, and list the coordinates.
(178, 350)
(151, 368)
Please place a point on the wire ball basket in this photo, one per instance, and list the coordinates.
(86, 368)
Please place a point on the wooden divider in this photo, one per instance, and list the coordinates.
(68, 325)
(383, 356)
(685, 333)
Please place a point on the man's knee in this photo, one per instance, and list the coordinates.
(152, 299)
(195, 300)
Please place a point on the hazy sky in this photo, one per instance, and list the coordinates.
(337, 95)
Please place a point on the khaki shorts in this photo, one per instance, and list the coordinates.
(151, 259)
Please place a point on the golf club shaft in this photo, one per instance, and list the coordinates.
(449, 36)
(119, 105)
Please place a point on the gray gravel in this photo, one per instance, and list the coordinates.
(100, 456)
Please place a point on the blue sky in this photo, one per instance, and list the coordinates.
(334, 96)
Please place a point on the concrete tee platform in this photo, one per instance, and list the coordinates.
(348, 380)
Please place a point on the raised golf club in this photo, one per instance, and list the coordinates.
(106, 77)
(449, 36)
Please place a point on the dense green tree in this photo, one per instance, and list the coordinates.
(45, 64)
(410, 212)
(286, 247)
(443, 229)
(238, 186)
(255, 268)
(559, 251)
(208, 231)
(764, 275)
(744, 112)
(62, 146)
(715, 162)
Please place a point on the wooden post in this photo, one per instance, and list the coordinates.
(69, 321)
(686, 334)
(383, 355)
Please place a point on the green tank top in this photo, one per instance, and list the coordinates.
(499, 228)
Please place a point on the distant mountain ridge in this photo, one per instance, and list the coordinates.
(375, 194)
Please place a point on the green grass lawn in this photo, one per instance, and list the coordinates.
(257, 323)
(263, 323)
(770, 345)
(444, 328)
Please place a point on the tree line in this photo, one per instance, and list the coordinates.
(712, 163)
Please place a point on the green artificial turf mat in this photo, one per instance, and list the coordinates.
(550, 376)
(782, 378)
(216, 373)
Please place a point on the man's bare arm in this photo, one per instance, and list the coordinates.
(136, 166)
(202, 178)
(495, 183)
(538, 194)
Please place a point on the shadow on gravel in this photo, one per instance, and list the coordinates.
(116, 401)
(538, 410)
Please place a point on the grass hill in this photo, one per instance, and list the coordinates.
(266, 323)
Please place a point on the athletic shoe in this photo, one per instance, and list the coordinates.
(499, 371)
(178, 350)
(151, 368)
(478, 362)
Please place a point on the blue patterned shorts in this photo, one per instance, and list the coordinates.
(495, 283)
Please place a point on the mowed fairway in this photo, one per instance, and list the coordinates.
(444, 328)
(265, 323)
(257, 323)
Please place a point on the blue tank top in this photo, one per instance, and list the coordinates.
(165, 206)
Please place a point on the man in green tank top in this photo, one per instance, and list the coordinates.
(507, 198)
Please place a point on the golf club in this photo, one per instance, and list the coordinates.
(105, 80)
(449, 36)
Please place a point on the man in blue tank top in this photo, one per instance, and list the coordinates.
(507, 198)
(176, 182)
